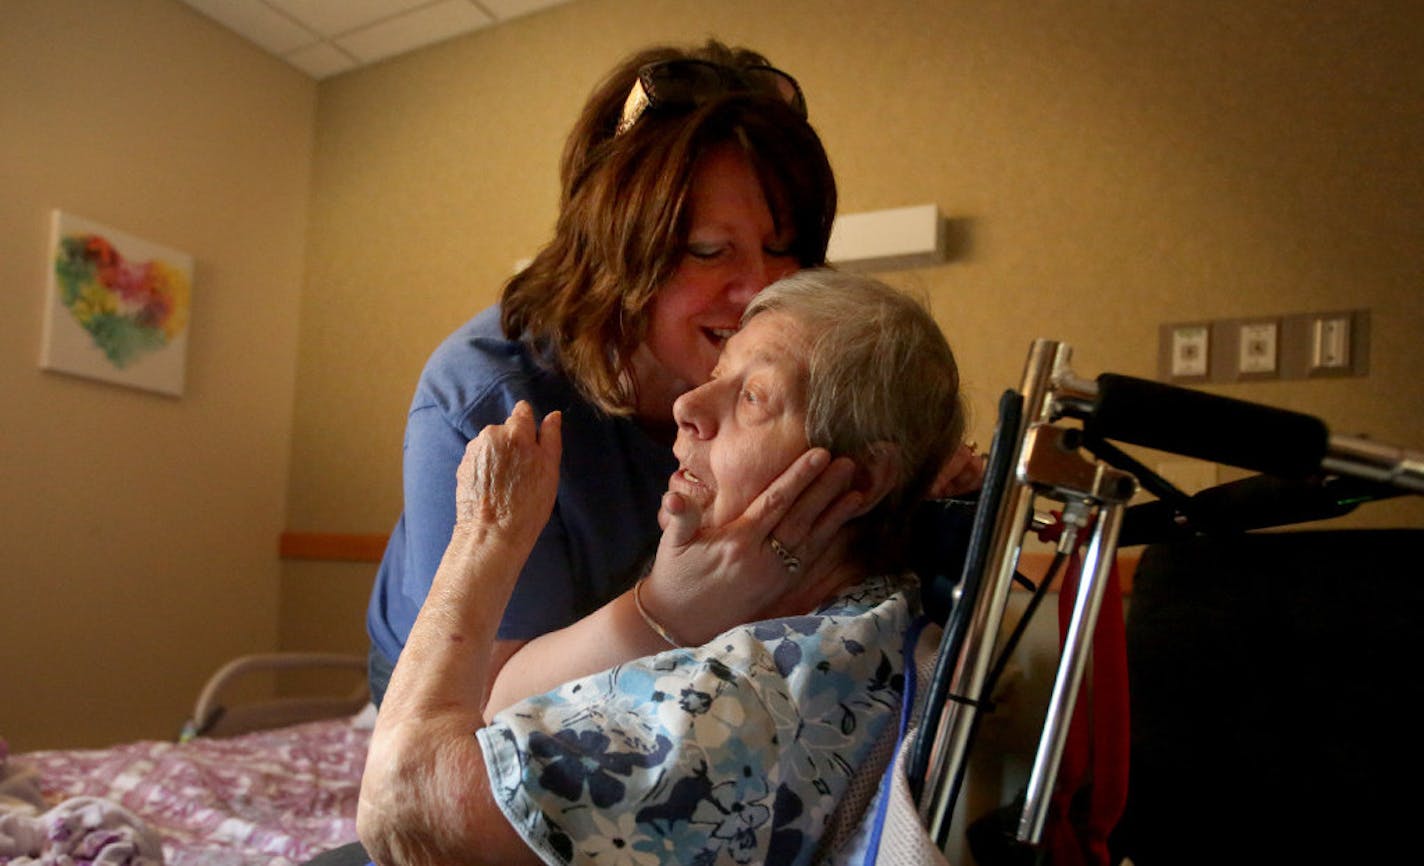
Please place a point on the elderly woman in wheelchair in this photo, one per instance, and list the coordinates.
(721, 717)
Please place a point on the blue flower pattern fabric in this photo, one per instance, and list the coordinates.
(735, 752)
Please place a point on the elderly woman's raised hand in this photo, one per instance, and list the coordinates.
(508, 478)
(420, 800)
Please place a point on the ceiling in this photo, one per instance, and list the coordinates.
(327, 37)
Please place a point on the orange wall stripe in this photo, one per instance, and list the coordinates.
(332, 546)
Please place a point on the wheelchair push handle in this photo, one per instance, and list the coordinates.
(1208, 426)
(1276, 442)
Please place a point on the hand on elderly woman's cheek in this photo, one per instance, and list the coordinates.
(691, 563)
(707, 580)
(509, 476)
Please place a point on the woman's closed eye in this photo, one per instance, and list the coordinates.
(706, 252)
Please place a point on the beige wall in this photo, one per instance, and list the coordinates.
(139, 531)
(1117, 167)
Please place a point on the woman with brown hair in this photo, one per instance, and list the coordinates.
(691, 181)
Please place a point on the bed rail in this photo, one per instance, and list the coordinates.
(213, 716)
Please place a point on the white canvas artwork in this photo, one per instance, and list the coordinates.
(117, 306)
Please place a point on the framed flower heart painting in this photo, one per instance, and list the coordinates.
(117, 306)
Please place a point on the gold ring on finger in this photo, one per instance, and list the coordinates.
(788, 559)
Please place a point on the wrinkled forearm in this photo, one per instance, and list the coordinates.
(445, 663)
(425, 795)
(425, 801)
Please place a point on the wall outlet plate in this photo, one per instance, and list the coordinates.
(1257, 348)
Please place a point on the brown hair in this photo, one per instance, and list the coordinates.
(622, 226)
(880, 372)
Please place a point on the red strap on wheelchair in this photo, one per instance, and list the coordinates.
(1092, 779)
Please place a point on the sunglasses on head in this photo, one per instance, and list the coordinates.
(689, 83)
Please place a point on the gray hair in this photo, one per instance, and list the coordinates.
(880, 372)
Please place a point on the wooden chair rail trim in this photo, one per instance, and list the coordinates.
(346, 547)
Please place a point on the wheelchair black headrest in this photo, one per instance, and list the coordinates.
(939, 543)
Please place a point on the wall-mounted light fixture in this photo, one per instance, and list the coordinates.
(887, 240)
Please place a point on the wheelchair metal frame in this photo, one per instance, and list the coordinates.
(1036, 455)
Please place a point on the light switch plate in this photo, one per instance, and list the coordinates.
(1330, 342)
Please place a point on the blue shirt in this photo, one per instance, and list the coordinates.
(611, 478)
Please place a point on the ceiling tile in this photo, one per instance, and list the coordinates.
(507, 9)
(414, 29)
(321, 60)
(256, 22)
(325, 37)
(335, 17)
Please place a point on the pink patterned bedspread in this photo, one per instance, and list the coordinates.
(271, 798)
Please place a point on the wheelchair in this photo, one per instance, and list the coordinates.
(1056, 444)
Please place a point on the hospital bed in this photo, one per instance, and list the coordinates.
(251, 779)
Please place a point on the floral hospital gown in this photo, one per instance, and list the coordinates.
(734, 752)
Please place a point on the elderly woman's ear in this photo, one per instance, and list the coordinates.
(877, 472)
(961, 474)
